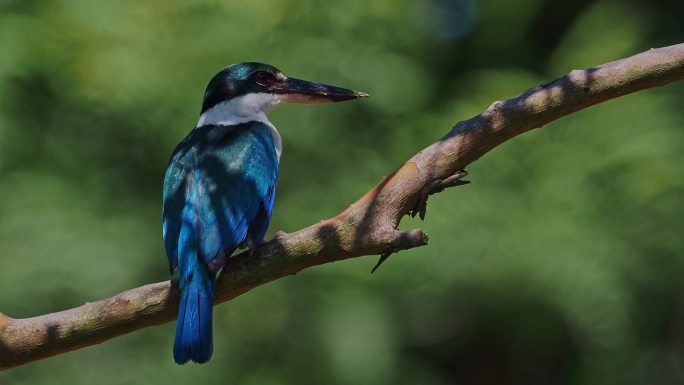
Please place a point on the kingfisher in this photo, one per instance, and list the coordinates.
(220, 185)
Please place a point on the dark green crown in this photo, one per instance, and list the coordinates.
(238, 80)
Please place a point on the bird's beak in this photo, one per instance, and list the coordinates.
(301, 91)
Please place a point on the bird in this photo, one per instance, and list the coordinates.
(220, 185)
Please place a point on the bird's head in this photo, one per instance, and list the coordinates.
(254, 88)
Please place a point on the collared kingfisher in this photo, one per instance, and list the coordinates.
(219, 187)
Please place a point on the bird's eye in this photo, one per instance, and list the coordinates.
(264, 78)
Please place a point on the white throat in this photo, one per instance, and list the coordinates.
(244, 109)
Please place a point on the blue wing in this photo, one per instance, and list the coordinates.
(259, 225)
(220, 181)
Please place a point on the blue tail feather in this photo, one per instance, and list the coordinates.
(193, 340)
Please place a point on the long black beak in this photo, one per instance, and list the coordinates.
(301, 91)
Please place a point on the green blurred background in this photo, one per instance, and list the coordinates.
(561, 264)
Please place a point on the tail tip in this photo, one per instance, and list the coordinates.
(193, 340)
(186, 355)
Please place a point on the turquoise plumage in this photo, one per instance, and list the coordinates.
(219, 195)
(219, 187)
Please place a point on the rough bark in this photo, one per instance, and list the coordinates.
(367, 227)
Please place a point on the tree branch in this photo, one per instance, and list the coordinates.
(367, 227)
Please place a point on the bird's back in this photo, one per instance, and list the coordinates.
(220, 182)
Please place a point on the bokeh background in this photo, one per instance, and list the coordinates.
(561, 264)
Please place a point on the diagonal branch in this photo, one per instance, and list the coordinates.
(367, 227)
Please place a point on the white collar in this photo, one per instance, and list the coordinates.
(244, 109)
